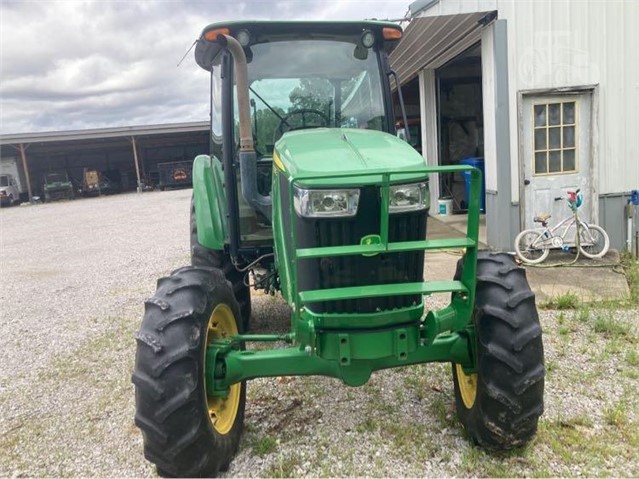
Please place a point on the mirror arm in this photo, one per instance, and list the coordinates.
(401, 104)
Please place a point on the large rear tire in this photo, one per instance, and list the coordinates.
(186, 433)
(203, 256)
(500, 404)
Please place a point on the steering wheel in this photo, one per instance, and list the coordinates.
(317, 119)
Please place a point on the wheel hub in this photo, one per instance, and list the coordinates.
(223, 410)
(467, 386)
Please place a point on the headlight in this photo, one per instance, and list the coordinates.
(325, 203)
(412, 197)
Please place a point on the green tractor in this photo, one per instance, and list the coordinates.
(308, 192)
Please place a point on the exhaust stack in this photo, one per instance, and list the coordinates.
(248, 157)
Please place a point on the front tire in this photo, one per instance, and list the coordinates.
(593, 241)
(186, 433)
(500, 404)
(531, 247)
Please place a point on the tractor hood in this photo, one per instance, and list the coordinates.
(314, 156)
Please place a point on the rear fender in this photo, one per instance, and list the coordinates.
(210, 202)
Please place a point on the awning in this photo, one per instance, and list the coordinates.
(430, 42)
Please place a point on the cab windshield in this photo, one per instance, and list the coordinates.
(310, 84)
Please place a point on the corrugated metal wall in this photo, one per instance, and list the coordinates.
(572, 43)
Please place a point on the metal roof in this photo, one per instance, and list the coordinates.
(99, 133)
(430, 42)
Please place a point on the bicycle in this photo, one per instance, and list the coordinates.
(533, 245)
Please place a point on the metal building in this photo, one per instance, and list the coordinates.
(133, 155)
(547, 93)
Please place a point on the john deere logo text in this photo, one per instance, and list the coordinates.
(368, 240)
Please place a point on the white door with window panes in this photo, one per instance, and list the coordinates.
(557, 136)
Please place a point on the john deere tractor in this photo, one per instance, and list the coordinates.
(308, 193)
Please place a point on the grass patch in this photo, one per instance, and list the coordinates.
(477, 462)
(605, 324)
(632, 357)
(285, 466)
(582, 315)
(566, 301)
(617, 414)
(264, 445)
(367, 425)
(631, 270)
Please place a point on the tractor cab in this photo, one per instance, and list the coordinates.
(301, 75)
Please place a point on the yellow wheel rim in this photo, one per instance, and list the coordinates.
(467, 386)
(223, 411)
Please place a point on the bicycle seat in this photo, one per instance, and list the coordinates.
(542, 218)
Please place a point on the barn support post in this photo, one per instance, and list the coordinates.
(137, 164)
(25, 167)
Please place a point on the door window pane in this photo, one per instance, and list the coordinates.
(569, 113)
(554, 161)
(554, 138)
(540, 139)
(569, 160)
(540, 163)
(554, 116)
(569, 137)
(540, 115)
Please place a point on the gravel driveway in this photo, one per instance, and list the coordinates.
(74, 278)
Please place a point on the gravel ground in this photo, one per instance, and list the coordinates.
(75, 275)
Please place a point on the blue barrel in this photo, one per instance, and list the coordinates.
(479, 164)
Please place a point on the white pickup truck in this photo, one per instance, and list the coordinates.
(9, 192)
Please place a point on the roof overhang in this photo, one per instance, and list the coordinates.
(102, 133)
(430, 42)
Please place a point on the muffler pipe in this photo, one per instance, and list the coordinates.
(248, 157)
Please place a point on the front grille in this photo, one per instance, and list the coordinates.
(358, 270)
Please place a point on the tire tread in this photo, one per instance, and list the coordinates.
(510, 367)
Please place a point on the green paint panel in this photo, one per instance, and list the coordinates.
(456, 243)
(381, 290)
(359, 321)
(314, 156)
(243, 365)
(210, 202)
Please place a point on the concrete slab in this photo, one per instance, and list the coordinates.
(459, 223)
(590, 279)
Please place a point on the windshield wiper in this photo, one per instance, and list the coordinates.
(270, 107)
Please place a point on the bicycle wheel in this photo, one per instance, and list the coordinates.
(593, 241)
(531, 247)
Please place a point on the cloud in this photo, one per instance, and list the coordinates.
(87, 64)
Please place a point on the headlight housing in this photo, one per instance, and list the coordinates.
(326, 203)
(411, 197)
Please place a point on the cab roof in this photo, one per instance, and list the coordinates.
(206, 51)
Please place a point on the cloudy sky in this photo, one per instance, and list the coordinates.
(89, 64)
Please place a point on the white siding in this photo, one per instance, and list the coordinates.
(574, 43)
